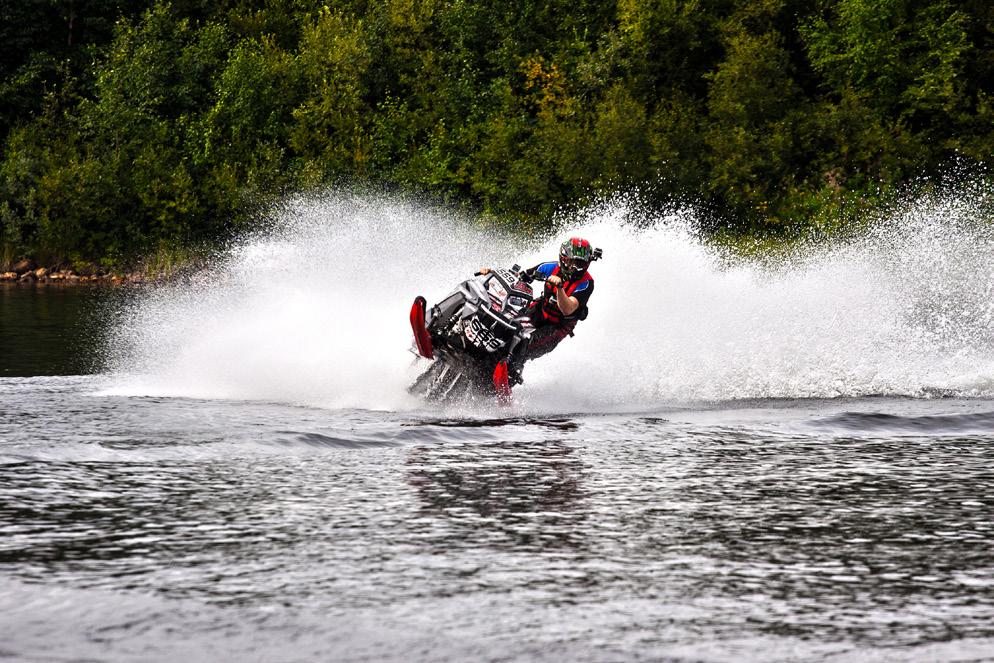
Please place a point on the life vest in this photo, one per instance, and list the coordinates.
(550, 313)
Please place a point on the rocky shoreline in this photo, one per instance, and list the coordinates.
(28, 272)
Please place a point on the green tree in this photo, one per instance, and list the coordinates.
(753, 106)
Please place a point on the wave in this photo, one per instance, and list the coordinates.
(949, 424)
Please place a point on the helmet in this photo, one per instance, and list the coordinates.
(575, 255)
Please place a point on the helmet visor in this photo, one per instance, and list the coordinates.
(573, 266)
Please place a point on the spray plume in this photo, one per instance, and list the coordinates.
(314, 311)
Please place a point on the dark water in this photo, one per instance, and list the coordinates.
(138, 528)
(51, 330)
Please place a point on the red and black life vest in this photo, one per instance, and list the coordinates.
(550, 313)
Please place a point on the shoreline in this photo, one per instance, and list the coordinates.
(46, 276)
(28, 272)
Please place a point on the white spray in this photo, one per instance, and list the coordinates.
(315, 312)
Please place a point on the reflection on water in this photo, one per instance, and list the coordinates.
(523, 495)
(51, 330)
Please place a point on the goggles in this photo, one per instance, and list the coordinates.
(573, 265)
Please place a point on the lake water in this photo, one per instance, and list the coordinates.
(50, 331)
(226, 471)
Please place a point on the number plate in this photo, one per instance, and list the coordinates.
(482, 337)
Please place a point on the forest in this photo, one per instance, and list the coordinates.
(131, 128)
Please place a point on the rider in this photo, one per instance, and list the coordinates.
(563, 303)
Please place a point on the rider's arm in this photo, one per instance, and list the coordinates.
(570, 304)
(566, 303)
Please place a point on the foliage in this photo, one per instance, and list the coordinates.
(132, 130)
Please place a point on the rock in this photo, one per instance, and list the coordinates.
(41, 273)
(8, 276)
(25, 265)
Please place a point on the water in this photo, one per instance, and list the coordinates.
(54, 331)
(786, 465)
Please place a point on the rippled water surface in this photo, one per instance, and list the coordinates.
(153, 528)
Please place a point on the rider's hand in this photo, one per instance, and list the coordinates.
(554, 281)
(483, 271)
